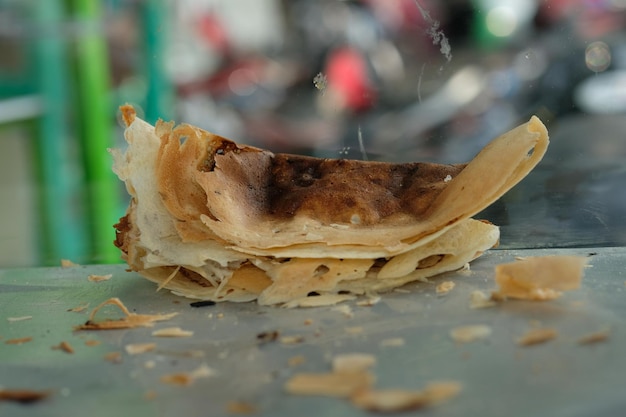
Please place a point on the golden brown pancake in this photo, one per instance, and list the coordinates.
(213, 219)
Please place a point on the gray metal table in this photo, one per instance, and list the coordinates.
(559, 378)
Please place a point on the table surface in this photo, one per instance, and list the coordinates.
(499, 377)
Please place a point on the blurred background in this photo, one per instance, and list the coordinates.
(392, 80)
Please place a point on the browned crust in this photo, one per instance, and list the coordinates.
(193, 164)
(351, 191)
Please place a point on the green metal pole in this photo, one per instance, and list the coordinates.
(97, 117)
(62, 234)
(159, 98)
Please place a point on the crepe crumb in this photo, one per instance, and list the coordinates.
(537, 336)
(150, 395)
(23, 396)
(65, 347)
(308, 322)
(21, 318)
(239, 407)
(291, 340)
(354, 330)
(113, 357)
(296, 360)
(137, 348)
(187, 378)
(595, 337)
(172, 332)
(471, 333)
(397, 400)
(149, 364)
(392, 342)
(131, 320)
(66, 263)
(479, 299)
(344, 309)
(92, 342)
(389, 400)
(539, 278)
(99, 278)
(353, 362)
(79, 309)
(445, 287)
(18, 341)
(331, 384)
(267, 337)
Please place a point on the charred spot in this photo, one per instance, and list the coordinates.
(121, 228)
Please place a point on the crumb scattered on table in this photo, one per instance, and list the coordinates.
(392, 342)
(131, 320)
(137, 348)
(187, 378)
(172, 332)
(21, 318)
(445, 287)
(470, 333)
(113, 357)
(24, 396)
(537, 336)
(99, 278)
(595, 337)
(18, 340)
(64, 346)
(240, 407)
(479, 299)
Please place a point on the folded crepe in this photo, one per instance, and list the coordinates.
(216, 220)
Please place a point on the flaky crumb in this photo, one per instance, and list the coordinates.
(353, 362)
(130, 320)
(296, 360)
(344, 309)
(99, 278)
(537, 336)
(137, 348)
(331, 384)
(392, 342)
(292, 340)
(18, 341)
(595, 337)
(66, 263)
(79, 309)
(65, 347)
(389, 400)
(479, 299)
(354, 330)
(21, 318)
(539, 278)
(172, 332)
(471, 333)
(24, 396)
(113, 357)
(444, 287)
(397, 400)
(187, 378)
(239, 407)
